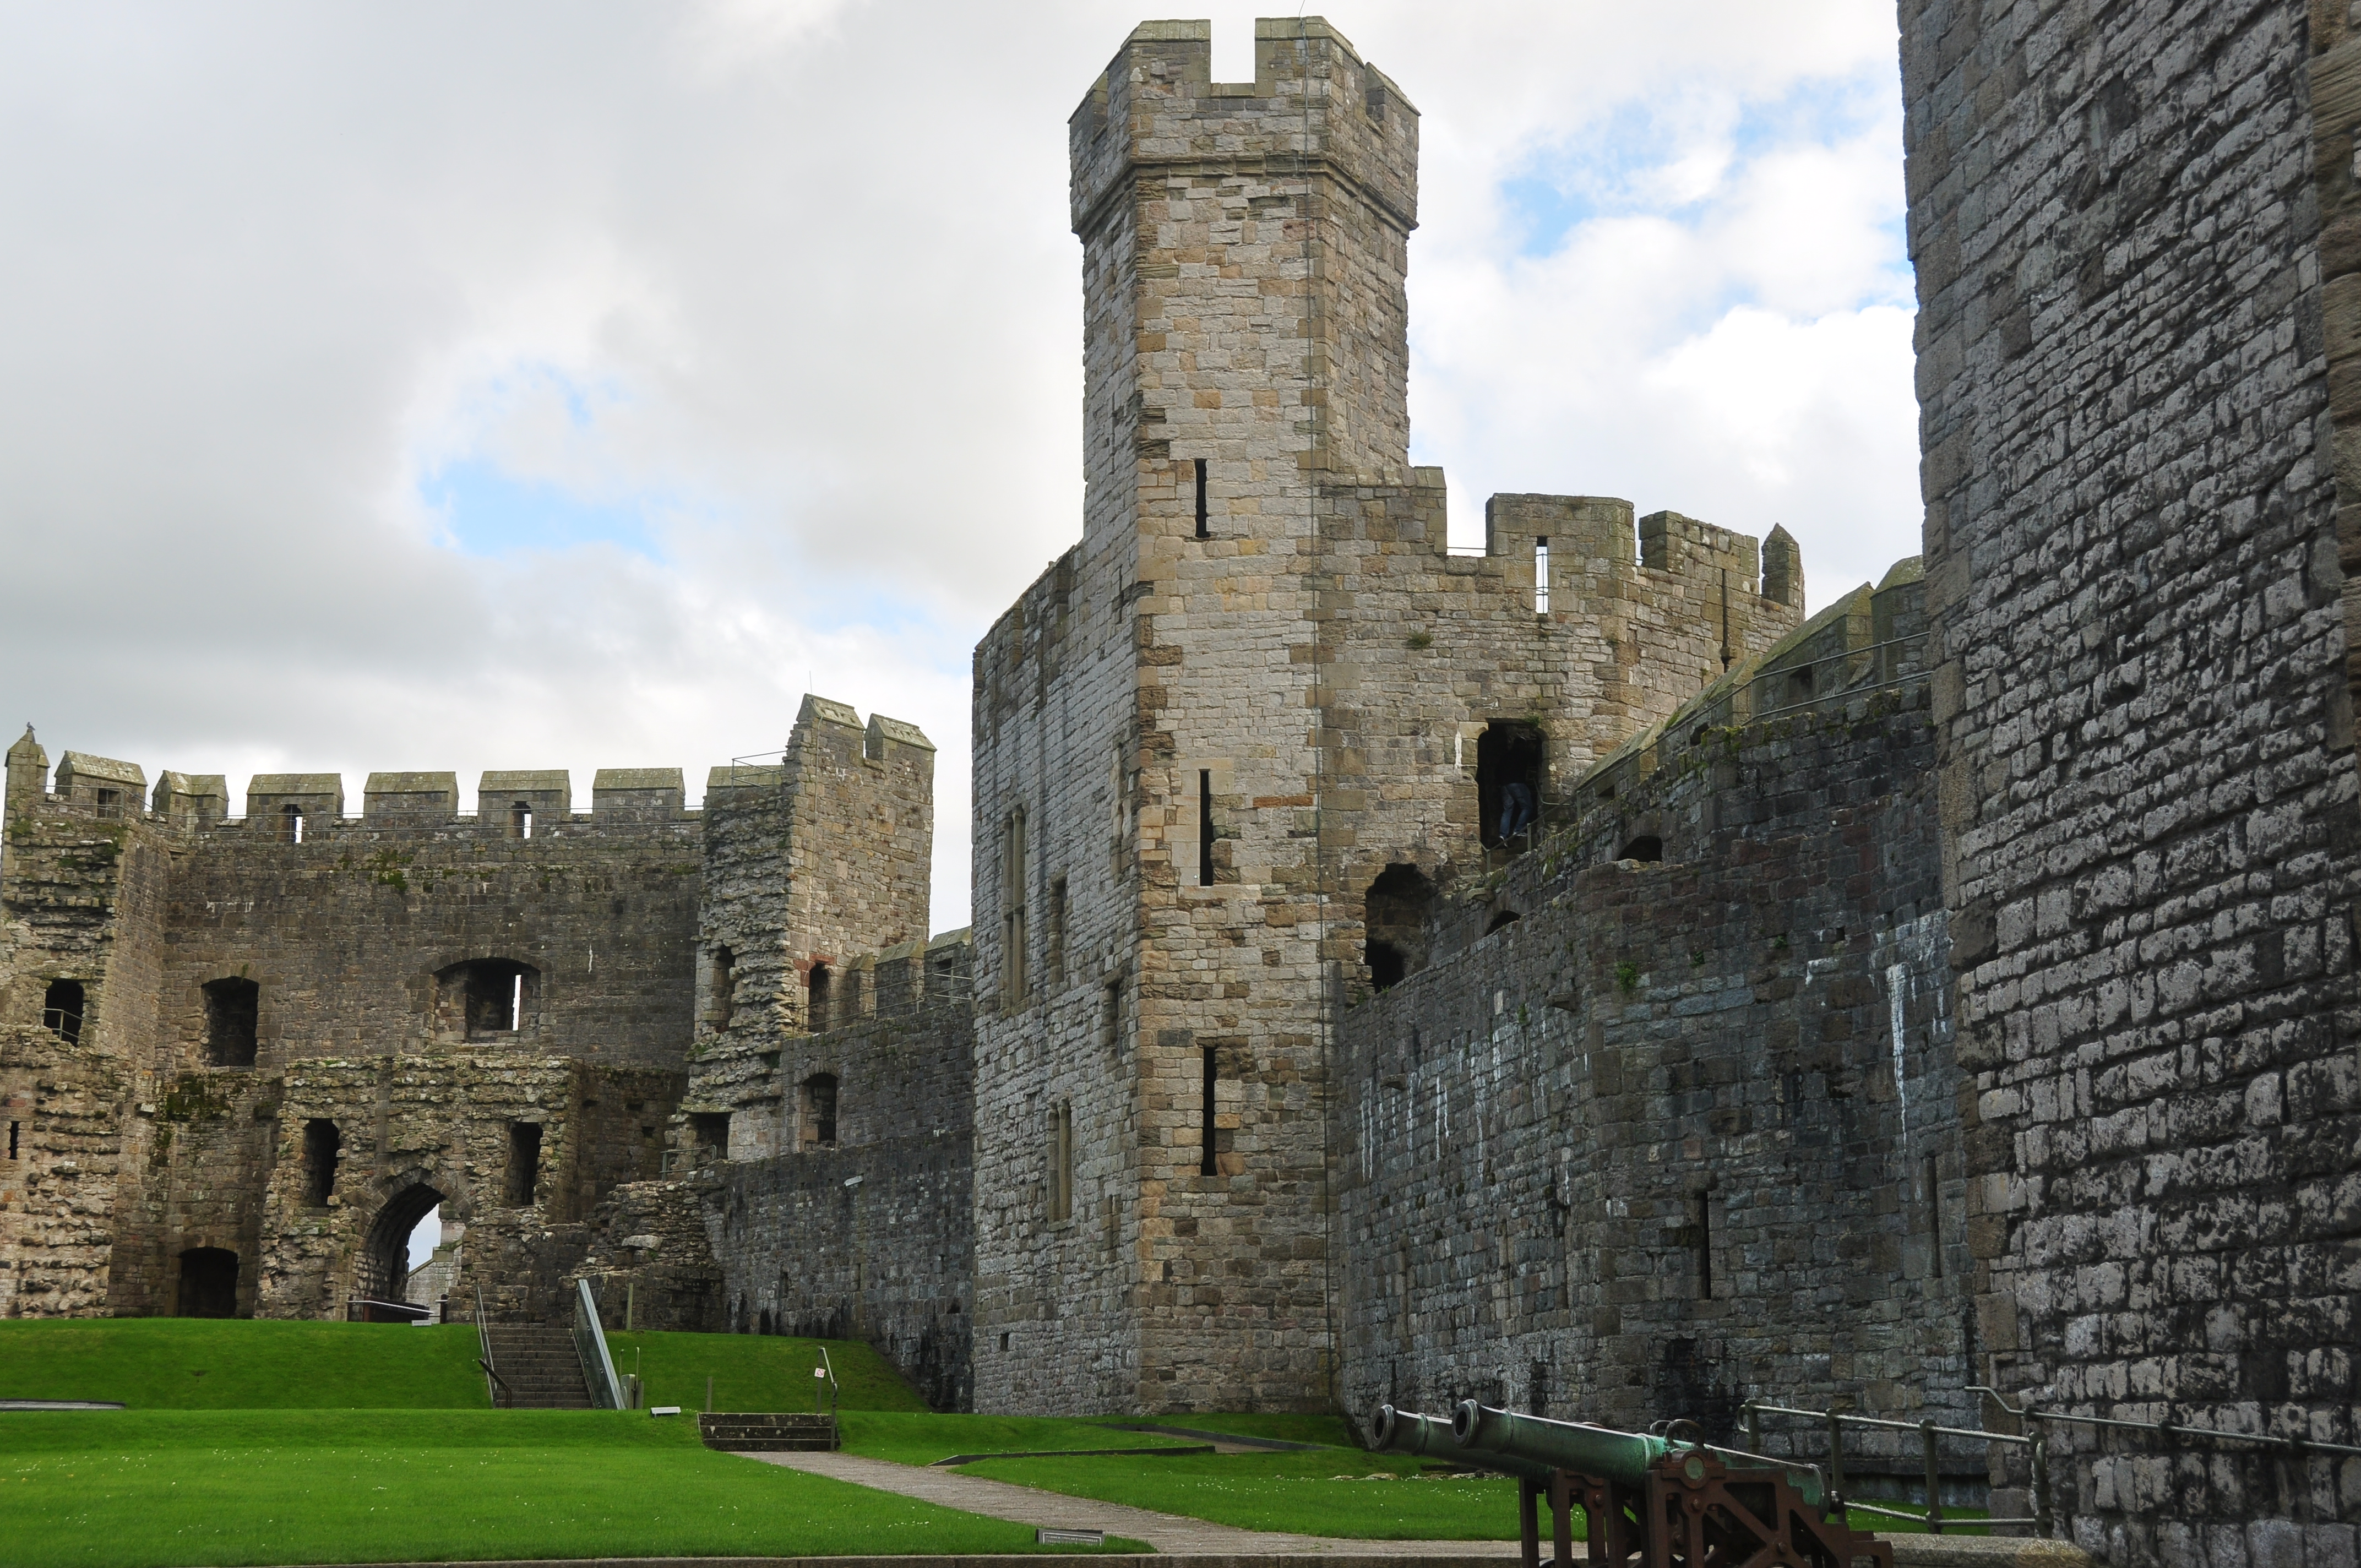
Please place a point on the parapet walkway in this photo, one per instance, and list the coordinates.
(1170, 1534)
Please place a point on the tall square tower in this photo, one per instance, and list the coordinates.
(1151, 1179)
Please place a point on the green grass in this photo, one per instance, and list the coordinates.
(215, 1364)
(1364, 1497)
(915, 1439)
(220, 1364)
(1335, 1432)
(756, 1371)
(141, 1489)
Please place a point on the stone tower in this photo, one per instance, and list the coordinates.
(1257, 698)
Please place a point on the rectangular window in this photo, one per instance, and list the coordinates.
(1204, 528)
(1061, 1161)
(1204, 827)
(1014, 878)
(1935, 1212)
(1705, 1247)
(1111, 1016)
(1058, 932)
(323, 1145)
(525, 1163)
(1541, 577)
(13, 1128)
(1206, 1164)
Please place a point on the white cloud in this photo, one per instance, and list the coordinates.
(790, 283)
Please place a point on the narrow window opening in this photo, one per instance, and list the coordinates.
(1935, 1214)
(1541, 577)
(14, 1128)
(1375, 100)
(525, 1163)
(1705, 1247)
(1646, 847)
(516, 1005)
(1016, 870)
(822, 981)
(521, 820)
(1058, 932)
(290, 823)
(232, 1010)
(208, 1283)
(321, 1145)
(1204, 827)
(1061, 1161)
(1118, 816)
(819, 1111)
(1208, 1163)
(1111, 1016)
(725, 987)
(1205, 516)
(62, 1009)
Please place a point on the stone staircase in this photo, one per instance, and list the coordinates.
(767, 1432)
(539, 1367)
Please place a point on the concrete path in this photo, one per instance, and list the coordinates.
(1168, 1533)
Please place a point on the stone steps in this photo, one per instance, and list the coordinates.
(539, 1366)
(767, 1432)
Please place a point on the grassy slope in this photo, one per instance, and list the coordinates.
(1365, 1497)
(922, 1439)
(133, 1489)
(153, 1363)
(1332, 1431)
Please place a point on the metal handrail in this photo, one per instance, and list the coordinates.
(1930, 1432)
(591, 1343)
(493, 1382)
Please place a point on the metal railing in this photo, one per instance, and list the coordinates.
(495, 1385)
(65, 1025)
(2037, 1440)
(591, 1343)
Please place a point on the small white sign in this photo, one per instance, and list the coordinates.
(664, 1411)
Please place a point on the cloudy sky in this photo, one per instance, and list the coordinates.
(460, 387)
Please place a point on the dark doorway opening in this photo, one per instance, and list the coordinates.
(817, 1006)
(819, 1111)
(1647, 847)
(208, 1283)
(322, 1146)
(1501, 921)
(384, 1268)
(62, 1010)
(1511, 757)
(709, 1134)
(724, 978)
(1395, 913)
(232, 1010)
(525, 1163)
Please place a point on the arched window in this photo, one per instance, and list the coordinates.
(1501, 921)
(819, 1111)
(232, 1007)
(484, 999)
(290, 824)
(1394, 913)
(1646, 847)
(62, 1010)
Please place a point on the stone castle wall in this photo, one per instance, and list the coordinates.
(2134, 438)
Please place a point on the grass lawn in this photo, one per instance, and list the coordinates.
(141, 1489)
(1335, 1432)
(920, 1439)
(1365, 1497)
(220, 1364)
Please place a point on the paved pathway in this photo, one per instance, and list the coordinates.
(1168, 1533)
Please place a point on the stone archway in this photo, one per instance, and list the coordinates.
(383, 1268)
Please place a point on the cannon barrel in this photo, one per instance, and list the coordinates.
(1407, 1431)
(1500, 1438)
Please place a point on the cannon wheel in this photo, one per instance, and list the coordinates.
(1693, 1511)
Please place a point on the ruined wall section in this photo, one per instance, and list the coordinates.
(862, 832)
(861, 1224)
(758, 992)
(2128, 307)
(61, 1158)
(351, 937)
(1662, 1139)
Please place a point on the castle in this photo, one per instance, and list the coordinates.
(1565, 975)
